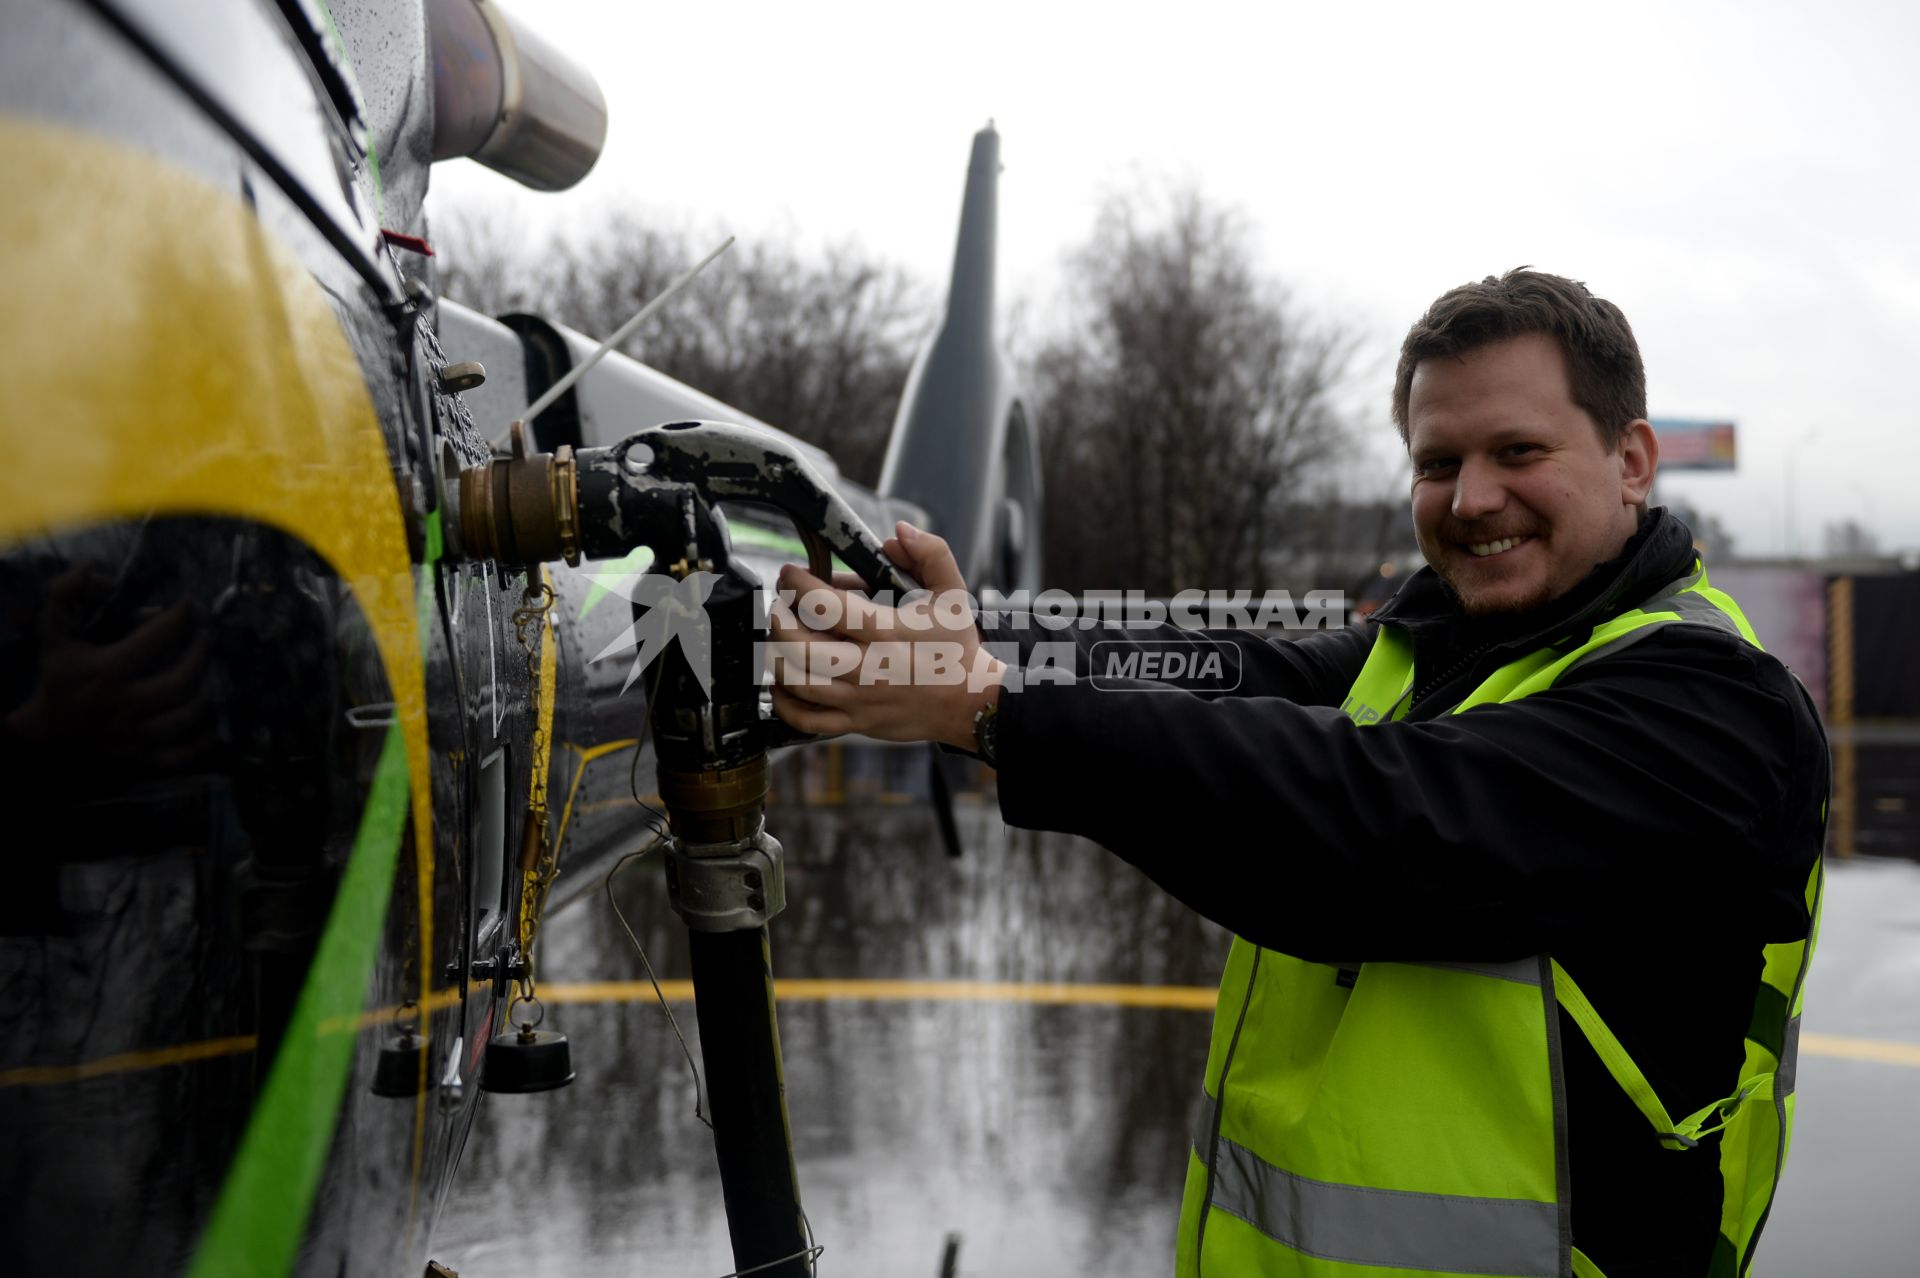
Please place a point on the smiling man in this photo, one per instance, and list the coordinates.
(1517, 493)
(1521, 869)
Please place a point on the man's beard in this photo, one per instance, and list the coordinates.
(1536, 598)
(1457, 533)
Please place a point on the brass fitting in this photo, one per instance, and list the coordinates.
(522, 508)
(716, 807)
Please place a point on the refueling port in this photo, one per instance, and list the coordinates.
(523, 508)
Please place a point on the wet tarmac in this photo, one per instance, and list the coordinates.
(1048, 1135)
(1847, 1200)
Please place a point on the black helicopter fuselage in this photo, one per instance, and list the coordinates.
(269, 744)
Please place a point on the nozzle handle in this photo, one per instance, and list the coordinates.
(743, 464)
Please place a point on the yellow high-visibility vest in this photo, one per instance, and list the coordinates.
(1390, 1119)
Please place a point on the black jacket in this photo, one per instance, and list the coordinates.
(1650, 820)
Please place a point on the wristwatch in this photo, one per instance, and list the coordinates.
(986, 727)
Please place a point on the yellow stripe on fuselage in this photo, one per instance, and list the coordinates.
(245, 402)
(163, 354)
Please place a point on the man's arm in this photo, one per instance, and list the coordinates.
(1645, 787)
(922, 671)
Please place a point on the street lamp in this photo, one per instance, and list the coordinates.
(1792, 448)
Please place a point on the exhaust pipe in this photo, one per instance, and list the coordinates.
(505, 97)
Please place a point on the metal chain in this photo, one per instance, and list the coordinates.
(530, 611)
(536, 610)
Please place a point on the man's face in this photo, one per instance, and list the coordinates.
(1515, 500)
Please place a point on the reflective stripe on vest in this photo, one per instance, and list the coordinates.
(1409, 1118)
(1386, 1228)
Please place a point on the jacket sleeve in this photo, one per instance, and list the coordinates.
(1646, 785)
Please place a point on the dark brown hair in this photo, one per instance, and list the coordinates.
(1603, 361)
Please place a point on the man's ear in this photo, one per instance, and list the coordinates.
(1639, 459)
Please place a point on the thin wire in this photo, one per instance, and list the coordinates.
(812, 1251)
(813, 1248)
(699, 1089)
(660, 836)
(809, 1253)
(620, 335)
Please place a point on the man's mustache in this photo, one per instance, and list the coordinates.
(1456, 530)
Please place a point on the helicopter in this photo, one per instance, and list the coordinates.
(296, 727)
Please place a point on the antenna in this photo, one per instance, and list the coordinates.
(620, 335)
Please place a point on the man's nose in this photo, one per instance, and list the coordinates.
(1478, 490)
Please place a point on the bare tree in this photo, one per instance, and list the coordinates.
(819, 346)
(1710, 534)
(1850, 539)
(485, 261)
(1184, 404)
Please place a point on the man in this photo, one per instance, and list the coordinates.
(1521, 869)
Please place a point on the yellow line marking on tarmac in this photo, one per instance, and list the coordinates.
(206, 1049)
(1191, 998)
(1195, 998)
(1185, 998)
(372, 1016)
(1881, 1051)
(127, 1062)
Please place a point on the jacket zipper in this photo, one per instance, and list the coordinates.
(1454, 670)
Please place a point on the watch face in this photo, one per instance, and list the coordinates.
(985, 725)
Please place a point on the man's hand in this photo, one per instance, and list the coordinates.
(916, 672)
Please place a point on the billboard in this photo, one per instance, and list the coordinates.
(1691, 444)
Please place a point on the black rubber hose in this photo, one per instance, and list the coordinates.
(747, 1097)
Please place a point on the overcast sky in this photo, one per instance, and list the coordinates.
(1740, 178)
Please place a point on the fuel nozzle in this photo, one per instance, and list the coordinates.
(657, 488)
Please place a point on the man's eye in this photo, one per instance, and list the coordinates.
(1433, 467)
(1521, 451)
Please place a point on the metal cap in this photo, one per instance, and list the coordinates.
(526, 1060)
